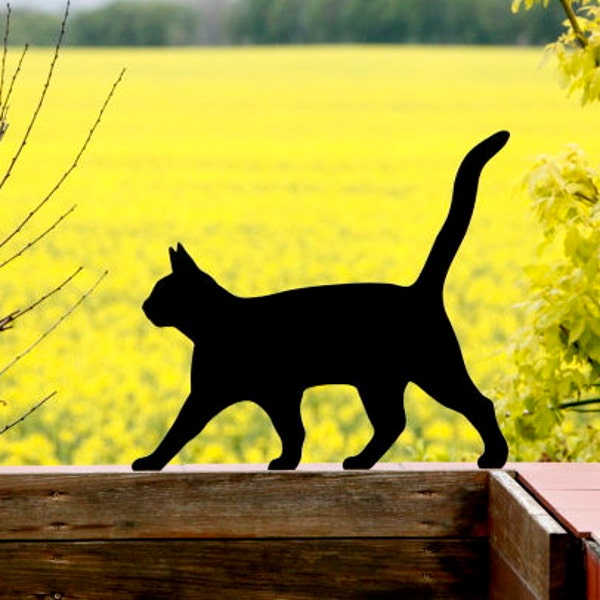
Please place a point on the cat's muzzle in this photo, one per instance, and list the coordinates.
(150, 314)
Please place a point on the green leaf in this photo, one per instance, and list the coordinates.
(576, 330)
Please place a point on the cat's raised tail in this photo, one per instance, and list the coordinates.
(452, 233)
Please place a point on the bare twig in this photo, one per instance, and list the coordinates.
(47, 295)
(89, 135)
(3, 123)
(5, 50)
(73, 165)
(4, 109)
(25, 415)
(42, 97)
(7, 322)
(36, 239)
(54, 325)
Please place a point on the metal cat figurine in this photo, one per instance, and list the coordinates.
(376, 337)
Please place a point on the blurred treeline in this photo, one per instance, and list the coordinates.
(235, 22)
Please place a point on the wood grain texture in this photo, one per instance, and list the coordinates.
(238, 531)
(234, 504)
(530, 541)
(505, 582)
(294, 569)
(592, 568)
(571, 492)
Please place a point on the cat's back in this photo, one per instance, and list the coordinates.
(331, 305)
(334, 295)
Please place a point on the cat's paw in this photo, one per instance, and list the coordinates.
(493, 460)
(356, 463)
(283, 464)
(147, 463)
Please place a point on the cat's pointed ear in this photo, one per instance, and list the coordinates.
(173, 257)
(181, 261)
(182, 252)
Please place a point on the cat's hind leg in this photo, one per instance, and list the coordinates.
(385, 408)
(455, 389)
(284, 412)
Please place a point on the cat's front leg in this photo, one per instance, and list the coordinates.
(194, 415)
(148, 463)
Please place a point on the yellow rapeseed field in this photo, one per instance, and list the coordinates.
(277, 168)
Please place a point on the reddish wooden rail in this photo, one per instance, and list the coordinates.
(571, 492)
(408, 531)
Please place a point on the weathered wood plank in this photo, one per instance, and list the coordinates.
(235, 468)
(570, 491)
(529, 540)
(191, 569)
(233, 504)
(592, 568)
(558, 475)
(505, 582)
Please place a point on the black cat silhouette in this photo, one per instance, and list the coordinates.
(376, 337)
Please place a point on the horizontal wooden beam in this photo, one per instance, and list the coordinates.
(241, 531)
(197, 503)
(192, 569)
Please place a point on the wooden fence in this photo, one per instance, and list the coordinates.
(241, 532)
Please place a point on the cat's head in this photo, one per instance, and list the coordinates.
(176, 299)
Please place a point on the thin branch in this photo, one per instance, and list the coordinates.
(42, 235)
(90, 133)
(47, 295)
(54, 325)
(42, 97)
(7, 322)
(25, 415)
(73, 165)
(4, 109)
(577, 403)
(579, 34)
(5, 50)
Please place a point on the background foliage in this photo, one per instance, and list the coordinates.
(277, 168)
(271, 166)
(557, 354)
(208, 22)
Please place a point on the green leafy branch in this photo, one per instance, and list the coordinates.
(578, 49)
(557, 354)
